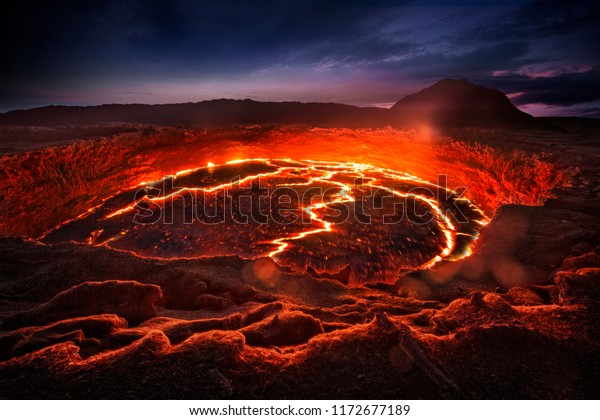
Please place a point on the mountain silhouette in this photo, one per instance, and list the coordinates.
(457, 102)
(207, 113)
(447, 103)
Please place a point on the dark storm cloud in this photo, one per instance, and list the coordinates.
(468, 64)
(564, 89)
(68, 51)
(593, 112)
(201, 34)
(546, 18)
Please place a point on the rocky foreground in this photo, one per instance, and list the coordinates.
(518, 319)
(88, 322)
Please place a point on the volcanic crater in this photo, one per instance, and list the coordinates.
(328, 216)
(296, 261)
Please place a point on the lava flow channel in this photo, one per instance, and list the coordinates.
(324, 216)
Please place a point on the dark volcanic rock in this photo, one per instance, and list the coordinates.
(210, 302)
(580, 287)
(132, 300)
(262, 312)
(525, 245)
(520, 362)
(523, 296)
(283, 329)
(460, 103)
(77, 330)
(591, 259)
(180, 289)
(473, 310)
(178, 330)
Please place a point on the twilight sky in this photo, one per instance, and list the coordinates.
(545, 55)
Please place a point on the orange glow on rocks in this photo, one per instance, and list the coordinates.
(265, 270)
(296, 309)
(68, 181)
(323, 216)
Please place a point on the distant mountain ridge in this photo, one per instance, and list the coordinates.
(213, 112)
(457, 102)
(449, 102)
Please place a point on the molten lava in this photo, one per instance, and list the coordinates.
(43, 188)
(325, 216)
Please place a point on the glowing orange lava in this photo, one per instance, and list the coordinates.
(301, 213)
